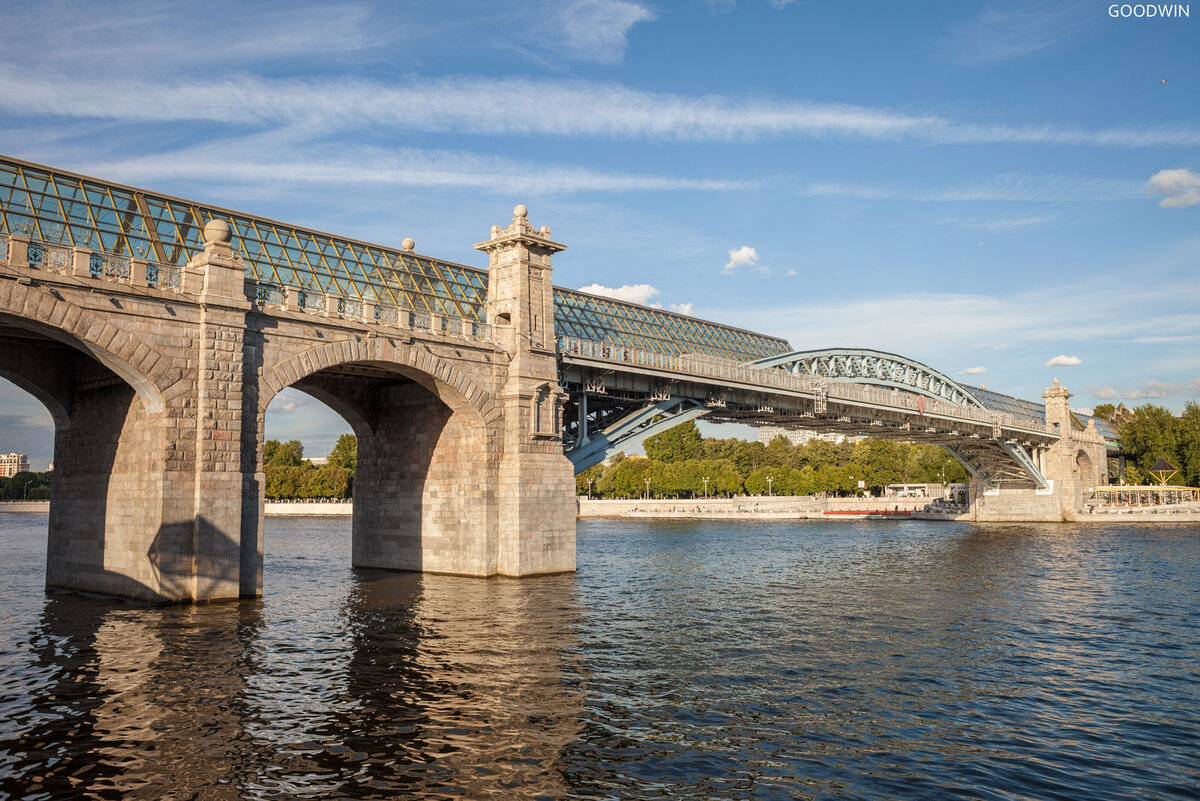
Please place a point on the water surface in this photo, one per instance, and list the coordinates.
(703, 659)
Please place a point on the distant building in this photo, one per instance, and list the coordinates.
(13, 463)
(796, 436)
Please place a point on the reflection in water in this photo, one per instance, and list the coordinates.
(131, 702)
(696, 660)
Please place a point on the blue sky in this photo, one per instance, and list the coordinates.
(987, 187)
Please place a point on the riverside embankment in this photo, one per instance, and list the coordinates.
(778, 507)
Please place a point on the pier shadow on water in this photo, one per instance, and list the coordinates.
(373, 685)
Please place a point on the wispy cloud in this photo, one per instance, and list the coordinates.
(1063, 361)
(1003, 187)
(1181, 187)
(1149, 390)
(916, 323)
(515, 106)
(596, 30)
(241, 162)
(973, 371)
(1016, 30)
(996, 223)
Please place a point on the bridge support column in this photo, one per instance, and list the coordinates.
(535, 483)
(212, 479)
(1073, 466)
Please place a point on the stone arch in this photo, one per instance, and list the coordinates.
(425, 368)
(1083, 464)
(103, 387)
(425, 491)
(42, 312)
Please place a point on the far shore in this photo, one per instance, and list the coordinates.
(801, 507)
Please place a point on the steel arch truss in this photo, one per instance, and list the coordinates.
(634, 428)
(875, 368)
(998, 462)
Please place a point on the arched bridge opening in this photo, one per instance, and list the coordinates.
(424, 496)
(112, 527)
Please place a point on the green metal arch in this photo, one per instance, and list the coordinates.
(876, 368)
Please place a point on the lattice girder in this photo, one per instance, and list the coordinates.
(876, 368)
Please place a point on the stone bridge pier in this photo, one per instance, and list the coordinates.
(1073, 465)
(159, 396)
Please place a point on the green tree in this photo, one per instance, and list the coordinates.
(286, 481)
(1104, 411)
(628, 477)
(345, 452)
(327, 481)
(1152, 433)
(592, 474)
(1189, 444)
(283, 454)
(879, 463)
(676, 444)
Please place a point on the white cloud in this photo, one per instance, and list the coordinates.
(241, 161)
(1149, 390)
(511, 106)
(973, 371)
(1085, 410)
(997, 223)
(1004, 187)
(1181, 187)
(1063, 361)
(1014, 30)
(680, 308)
(745, 256)
(596, 30)
(631, 293)
(791, 273)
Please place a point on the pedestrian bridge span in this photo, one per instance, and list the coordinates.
(157, 330)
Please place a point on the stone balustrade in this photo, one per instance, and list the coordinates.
(20, 251)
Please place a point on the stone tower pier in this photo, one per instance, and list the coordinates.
(159, 390)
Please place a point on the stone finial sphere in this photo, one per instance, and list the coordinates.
(520, 210)
(217, 232)
(407, 244)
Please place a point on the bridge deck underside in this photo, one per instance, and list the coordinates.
(612, 394)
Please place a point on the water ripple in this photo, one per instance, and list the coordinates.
(684, 660)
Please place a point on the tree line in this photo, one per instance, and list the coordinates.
(290, 476)
(1149, 433)
(678, 460)
(25, 486)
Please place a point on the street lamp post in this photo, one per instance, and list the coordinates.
(25, 490)
(647, 480)
(770, 479)
(590, 488)
(705, 480)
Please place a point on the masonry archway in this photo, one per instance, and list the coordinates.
(425, 484)
(107, 514)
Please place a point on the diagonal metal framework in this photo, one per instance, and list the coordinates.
(59, 208)
(633, 429)
(600, 319)
(875, 368)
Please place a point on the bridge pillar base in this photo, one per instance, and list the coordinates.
(1016, 505)
(537, 515)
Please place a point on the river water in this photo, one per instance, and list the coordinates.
(896, 659)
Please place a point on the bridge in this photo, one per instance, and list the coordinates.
(156, 330)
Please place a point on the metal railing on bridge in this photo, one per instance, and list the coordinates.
(313, 301)
(134, 271)
(710, 367)
(86, 263)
